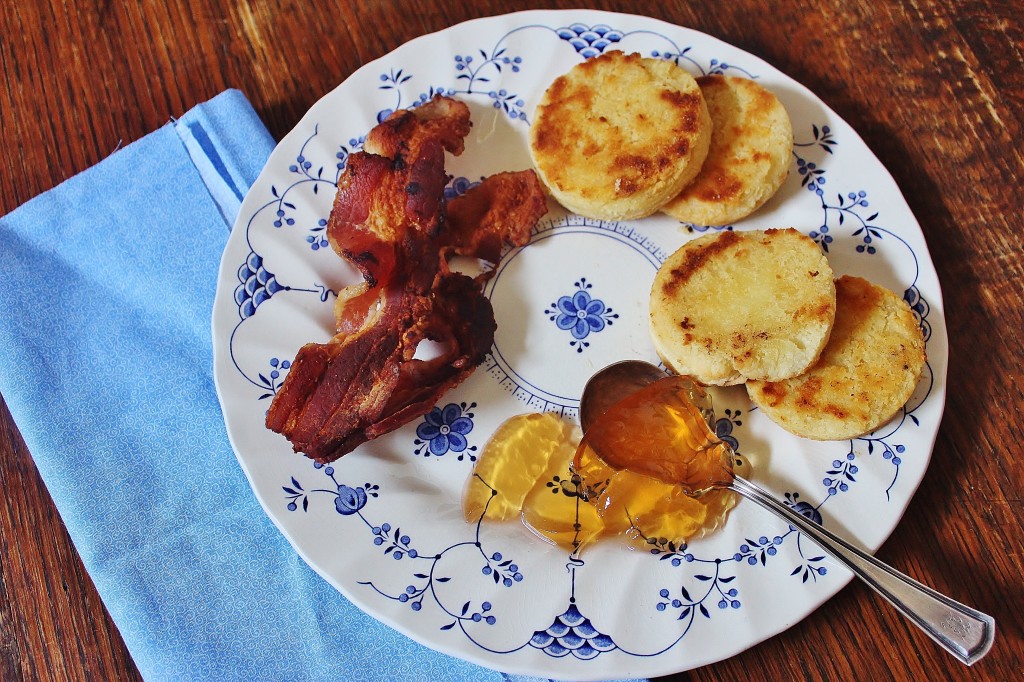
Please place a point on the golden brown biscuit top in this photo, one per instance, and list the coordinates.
(868, 369)
(591, 112)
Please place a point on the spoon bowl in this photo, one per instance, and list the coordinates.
(613, 383)
(964, 632)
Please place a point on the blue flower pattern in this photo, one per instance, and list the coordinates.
(351, 501)
(347, 500)
(444, 430)
(580, 314)
(272, 380)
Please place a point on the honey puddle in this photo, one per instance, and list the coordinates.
(655, 445)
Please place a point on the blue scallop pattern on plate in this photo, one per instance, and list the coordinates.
(572, 633)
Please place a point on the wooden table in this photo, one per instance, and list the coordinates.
(935, 91)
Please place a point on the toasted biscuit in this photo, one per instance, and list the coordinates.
(750, 154)
(619, 135)
(733, 306)
(866, 373)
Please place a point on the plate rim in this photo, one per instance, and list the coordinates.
(226, 270)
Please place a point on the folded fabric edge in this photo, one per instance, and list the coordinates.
(228, 145)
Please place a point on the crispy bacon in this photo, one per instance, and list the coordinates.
(500, 210)
(390, 221)
(442, 119)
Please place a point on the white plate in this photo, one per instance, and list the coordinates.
(384, 524)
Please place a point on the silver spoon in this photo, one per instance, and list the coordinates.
(962, 631)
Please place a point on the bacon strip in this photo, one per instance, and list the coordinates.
(389, 220)
(501, 210)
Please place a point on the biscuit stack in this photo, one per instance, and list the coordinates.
(824, 359)
(621, 136)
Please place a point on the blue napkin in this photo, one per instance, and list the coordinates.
(105, 307)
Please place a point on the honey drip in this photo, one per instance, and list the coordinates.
(656, 449)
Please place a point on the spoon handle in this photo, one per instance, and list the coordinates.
(964, 632)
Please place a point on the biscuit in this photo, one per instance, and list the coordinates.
(866, 373)
(619, 135)
(750, 155)
(733, 306)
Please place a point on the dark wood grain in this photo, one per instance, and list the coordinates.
(935, 89)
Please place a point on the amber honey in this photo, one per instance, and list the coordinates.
(631, 476)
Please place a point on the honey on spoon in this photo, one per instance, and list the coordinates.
(525, 473)
(659, 429)
(535, 469)
(628, 423)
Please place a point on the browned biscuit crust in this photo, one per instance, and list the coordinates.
(749, 158)
(733, 306)
(619, 135)
(867, 372)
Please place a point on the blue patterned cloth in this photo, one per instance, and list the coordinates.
(108, 283)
